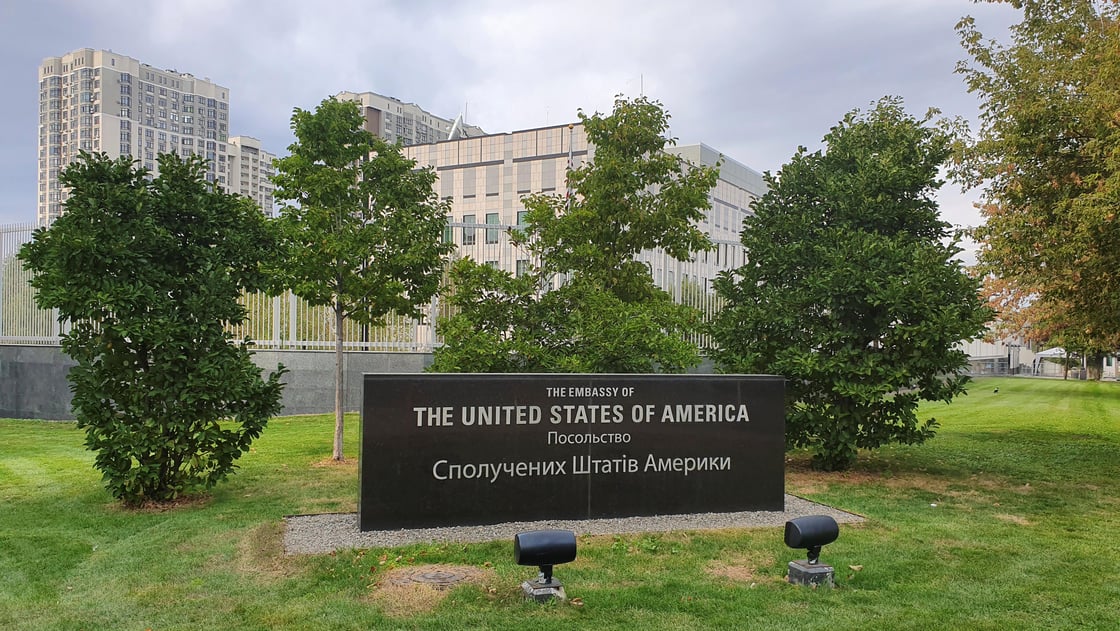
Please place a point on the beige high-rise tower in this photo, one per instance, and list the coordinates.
(98, 100)
(408, 123)
(250, 168)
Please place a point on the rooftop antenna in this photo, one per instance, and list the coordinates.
(459, 126)
(455, 127)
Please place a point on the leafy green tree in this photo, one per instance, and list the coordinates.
(364, 236)
(148, 272)
(607, 315)
(1048, 154)
(851, 290)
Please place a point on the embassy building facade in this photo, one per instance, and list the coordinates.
(484, 178)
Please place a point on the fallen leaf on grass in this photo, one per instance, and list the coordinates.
(855, 568)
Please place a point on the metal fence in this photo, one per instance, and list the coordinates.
(21, 322)
(289, 322)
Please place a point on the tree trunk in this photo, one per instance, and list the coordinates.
(1094, 367)
(338, 383)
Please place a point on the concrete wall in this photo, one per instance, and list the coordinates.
(310, 376)
(33, 383)
(33, 379)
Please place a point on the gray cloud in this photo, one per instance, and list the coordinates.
(752, 79)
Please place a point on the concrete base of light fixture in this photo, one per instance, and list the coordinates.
(814, 575)
(543, 592)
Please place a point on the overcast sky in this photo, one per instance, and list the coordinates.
(752, 78)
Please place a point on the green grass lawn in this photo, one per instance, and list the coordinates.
(1008, 519)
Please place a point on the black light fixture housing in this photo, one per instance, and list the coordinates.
(811, 533)
(544, 548)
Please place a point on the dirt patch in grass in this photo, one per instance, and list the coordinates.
(260, 554)
(403, 601)
(331, 463)
(1109, 502)
(164, 506)
(1014, 519)
(406, 591)
(737, 573)
(740, 568)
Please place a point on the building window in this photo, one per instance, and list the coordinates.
(447, 184)
(469, 190)
(492, 180)
(491, 233)
(448, 233)
(524, 177)
(548, 175)
(522, 267)
(468, 232)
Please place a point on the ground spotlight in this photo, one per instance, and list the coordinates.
(544, 549)
(811, 533)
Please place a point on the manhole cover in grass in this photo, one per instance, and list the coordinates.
(437, 576)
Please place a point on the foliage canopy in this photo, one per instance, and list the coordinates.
(365, 234)
(606, 315)
(851, 290)
(1048, 153)
(148, 273)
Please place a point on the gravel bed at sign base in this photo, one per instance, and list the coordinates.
(325, 533)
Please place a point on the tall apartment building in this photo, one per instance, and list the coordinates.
(98, 100)
(394, 120)
(249, 170)
(486, 177)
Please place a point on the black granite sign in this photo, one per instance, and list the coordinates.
(440, 450)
